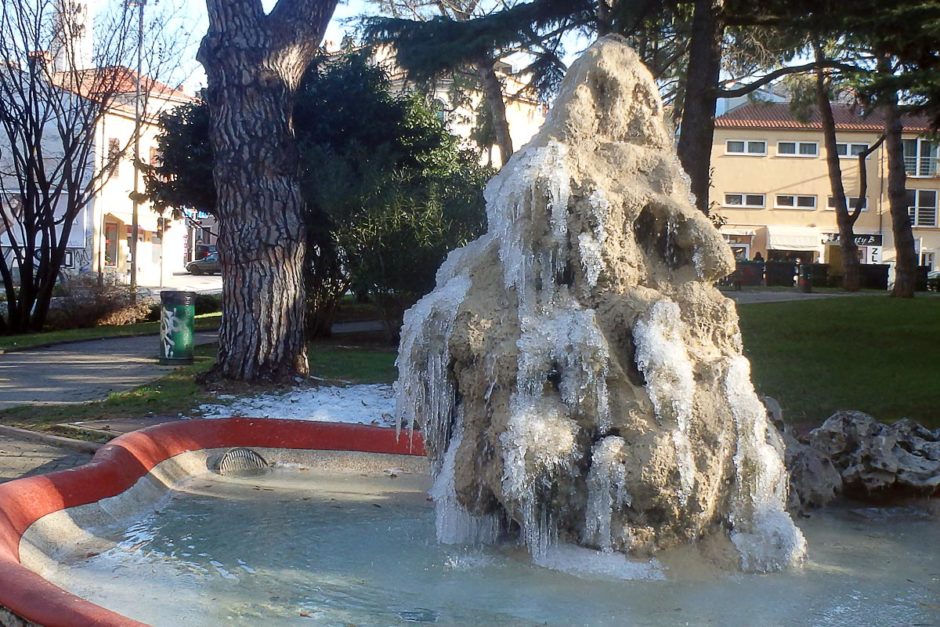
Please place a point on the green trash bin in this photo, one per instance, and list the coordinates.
(177, 314)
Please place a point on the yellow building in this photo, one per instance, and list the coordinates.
(771, 184)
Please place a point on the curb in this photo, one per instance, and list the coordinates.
(82, 446)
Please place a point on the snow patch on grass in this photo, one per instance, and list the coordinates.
(356, 404)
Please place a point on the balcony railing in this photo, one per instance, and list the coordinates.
(923, 216)
(922, 166)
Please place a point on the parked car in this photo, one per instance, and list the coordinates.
(933, 281)
(204, 250)
(207, 265)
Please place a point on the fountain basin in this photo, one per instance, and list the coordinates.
(137, 462)
(377, 562)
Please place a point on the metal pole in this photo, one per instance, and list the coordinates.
(135, 224)
(161, 229)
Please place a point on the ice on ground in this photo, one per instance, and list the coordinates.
(362, 404)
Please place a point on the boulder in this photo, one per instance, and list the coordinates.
(875, 459)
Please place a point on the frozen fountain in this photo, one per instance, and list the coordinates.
(580, 388)
(577, 376)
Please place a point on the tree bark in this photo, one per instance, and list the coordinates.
(851, 279)
(493, 94)
(254, 63)
(701, 95)
(905, 265)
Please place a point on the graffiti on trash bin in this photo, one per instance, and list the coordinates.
(170, 325)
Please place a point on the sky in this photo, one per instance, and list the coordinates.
(190, 16)
(197, 18)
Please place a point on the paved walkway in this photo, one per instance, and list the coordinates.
(746, 297)
(81, 371)
(20, 457)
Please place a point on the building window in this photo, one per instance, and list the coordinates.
(928, 259)
(745, 201)
(922, 207)
(920, 157)
(797, 149)
(853, 202)
(795, 201)
(749, 147)
(850, 150)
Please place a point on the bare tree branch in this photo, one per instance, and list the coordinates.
(791, 69)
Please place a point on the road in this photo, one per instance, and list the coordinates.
(205, 284)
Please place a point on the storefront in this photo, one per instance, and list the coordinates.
(870, 247)
(794, 243)
(740, 240)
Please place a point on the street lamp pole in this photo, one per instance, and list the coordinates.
(135, 211)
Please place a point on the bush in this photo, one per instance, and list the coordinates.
(208, 303)
(84, 303)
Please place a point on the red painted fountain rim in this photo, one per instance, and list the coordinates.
(124, 461)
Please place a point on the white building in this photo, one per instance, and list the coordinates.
(100, 237)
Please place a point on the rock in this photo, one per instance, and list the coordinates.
(879, 460)
(814, 480)
(575, 369)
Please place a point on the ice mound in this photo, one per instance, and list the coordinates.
(577, 376)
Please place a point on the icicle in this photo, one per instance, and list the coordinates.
(512, 203)
(764, 534)
(607, 490)
(662, 358)
(569, 341)
(538, 444)
(454, 524)
(424, 392)
(591, 244)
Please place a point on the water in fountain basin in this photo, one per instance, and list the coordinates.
(313, 547)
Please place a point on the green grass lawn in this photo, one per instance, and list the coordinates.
(872, 353)
(356, 364)
(204, 322)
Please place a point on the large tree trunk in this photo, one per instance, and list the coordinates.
(701, 94)
(851, 279)
(905, 265)
(493, 94)
(254, 63)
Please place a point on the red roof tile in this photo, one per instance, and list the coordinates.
(116, 80)
(777, 115)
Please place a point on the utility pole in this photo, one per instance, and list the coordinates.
(135, 198)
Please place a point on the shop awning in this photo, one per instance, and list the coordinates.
(146, 218)
(728, 230)
(793, 238)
